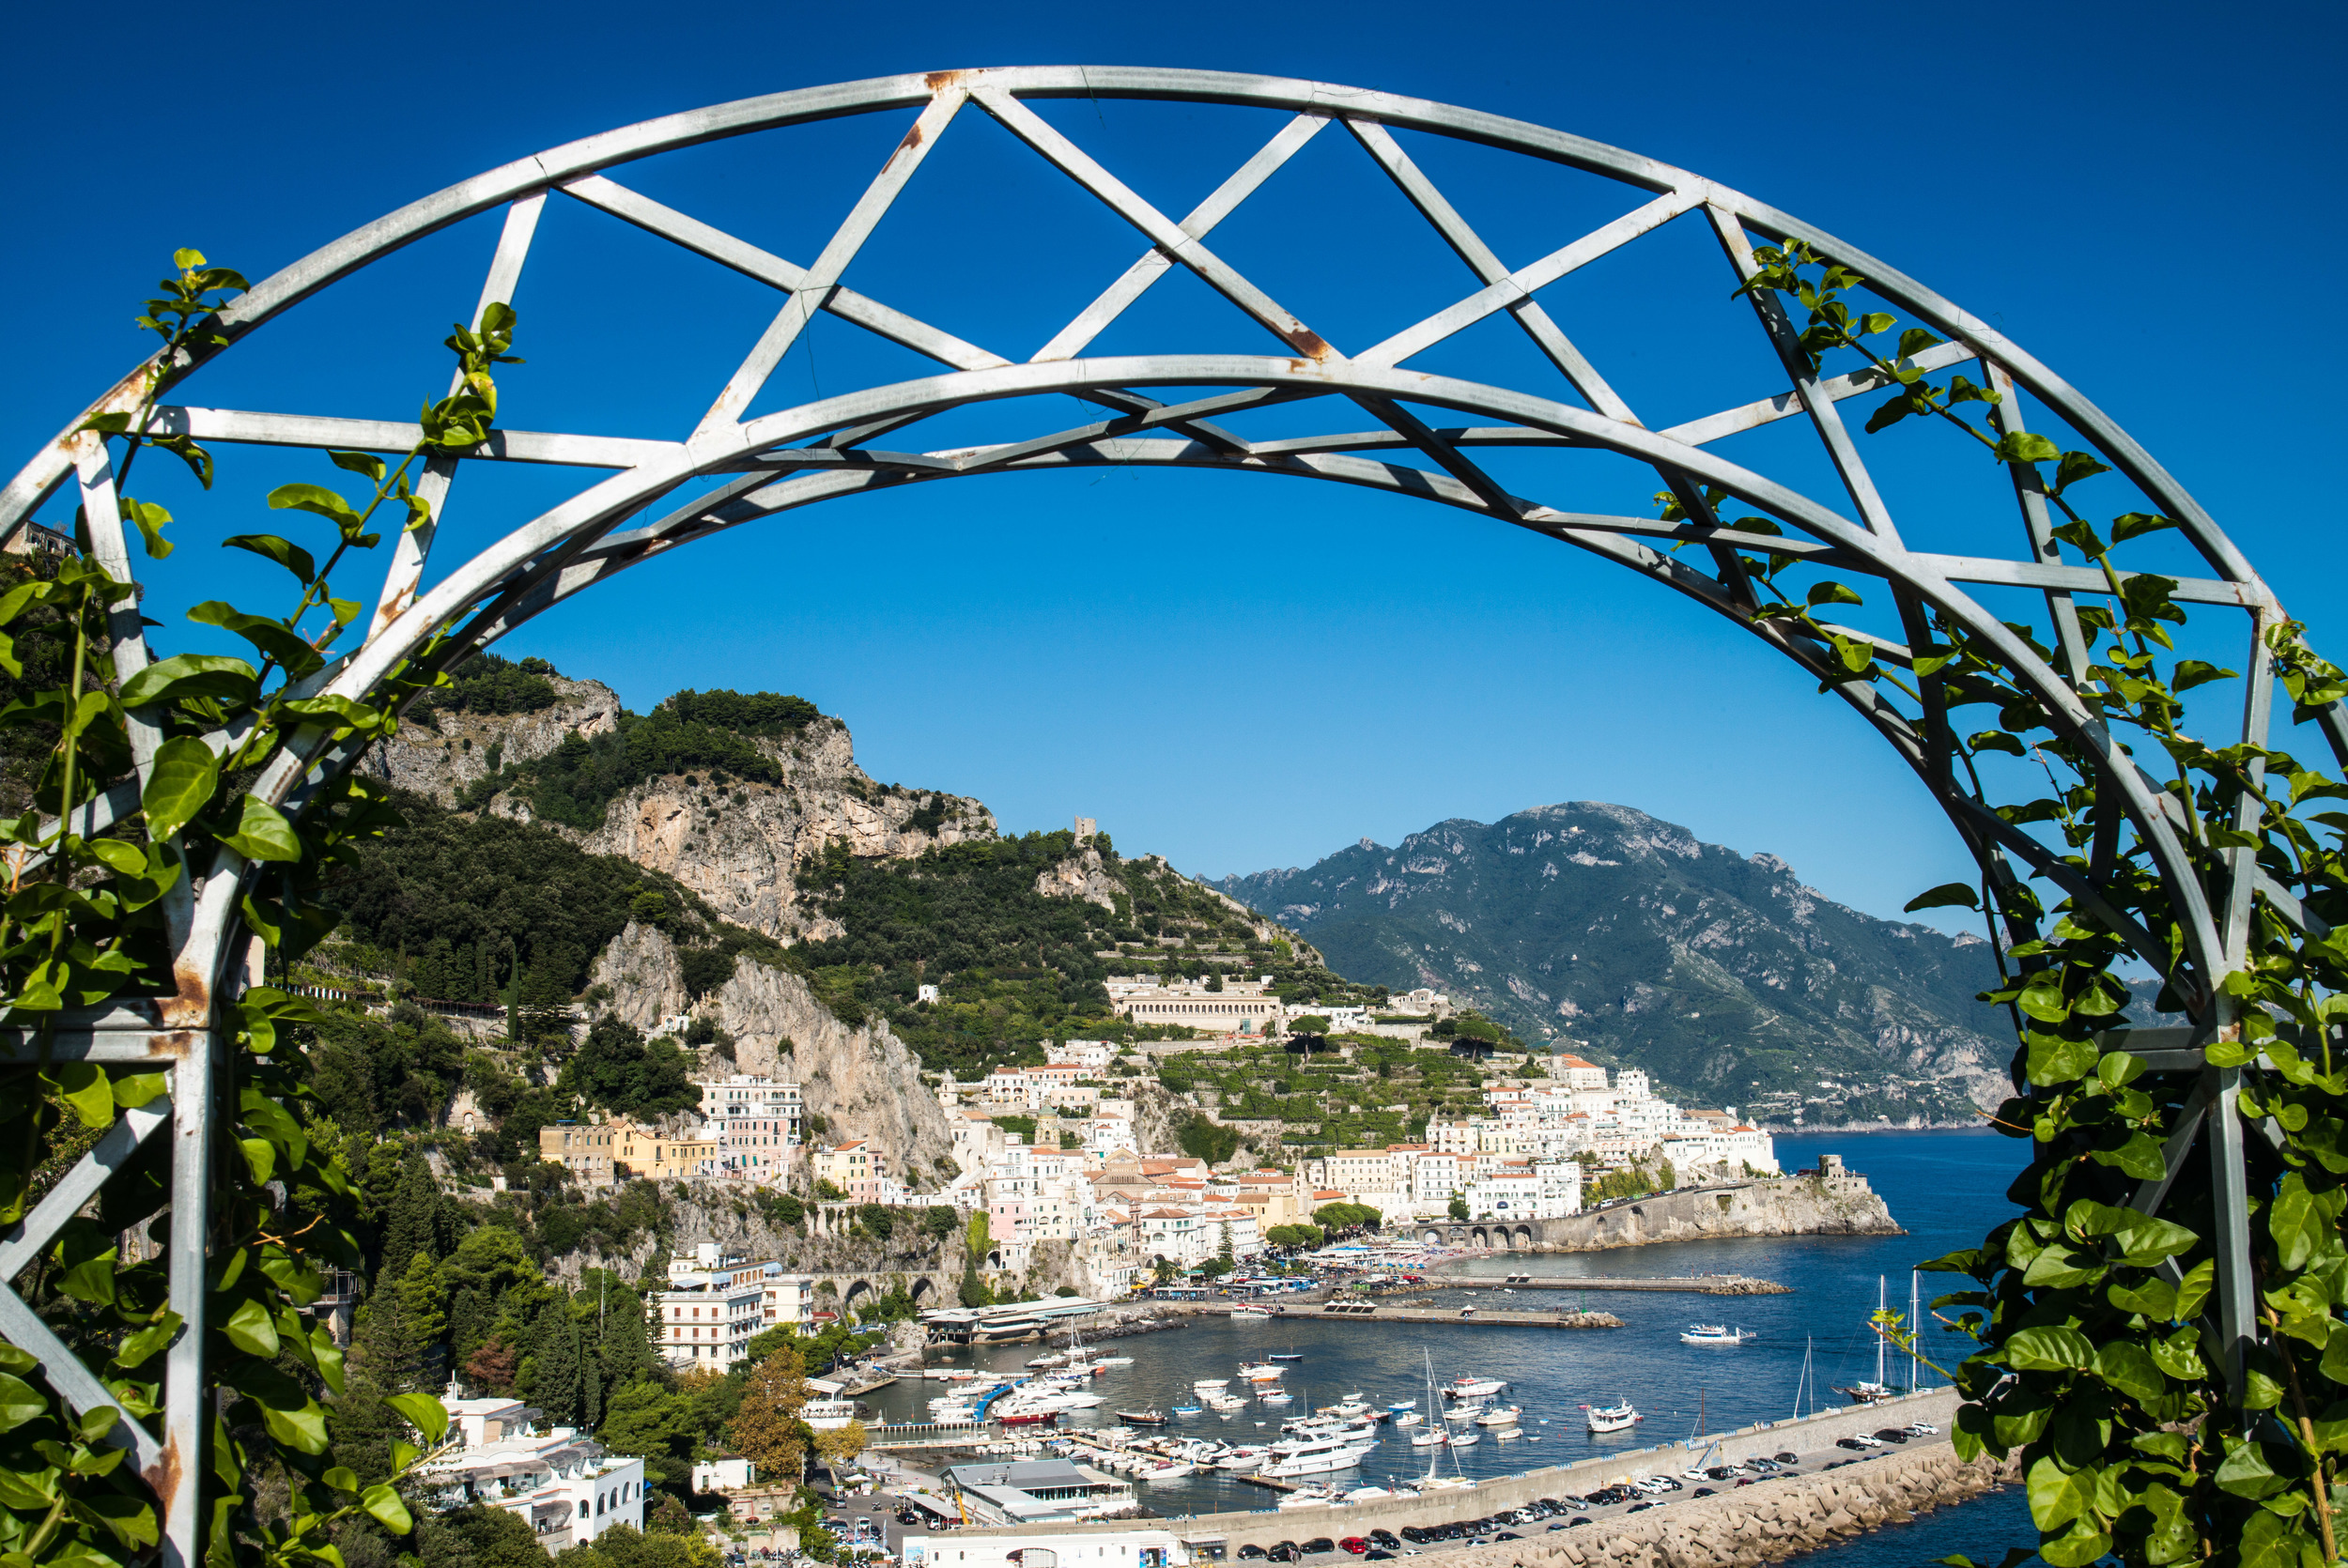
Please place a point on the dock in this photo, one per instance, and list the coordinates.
(1706, 1285)
(877, 1379)
(1372, 1312)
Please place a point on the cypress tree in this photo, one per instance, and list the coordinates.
(554, 1362)
(469, 1323)
(413, 1226)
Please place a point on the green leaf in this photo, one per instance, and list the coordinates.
(1876, 321)
(360, 462)
(2196, 673)
(1948, 893)
(157, 1336)
(389, 1511)
(2195, 1288)
(2080, 1547)
(1916, 340)
(2298, 1223)
(151, 519)
(85, 1087)
(2049, 1347)
(292, 556)
(316, 498)
(2156, 1299)
(2269, 1542)
(272, 637)
(423, 1412)
(1832, 593)
(2075, 466)
(2061, 1268)
(2043, 1000)
(251, 1330)
(2245, 1473)
(20, 1402)
(2137, 524)
(263, 834)
(2128, 1367)
(2024, 446)
(2058, 1496)
(186, 773)
(186, 675)
(302, 1430)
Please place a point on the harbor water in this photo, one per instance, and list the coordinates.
(1946, 1187)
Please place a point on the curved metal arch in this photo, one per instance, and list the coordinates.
(579, 543)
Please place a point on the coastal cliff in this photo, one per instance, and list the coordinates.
(1799, 1205)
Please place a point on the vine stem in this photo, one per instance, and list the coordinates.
(2318, 1486)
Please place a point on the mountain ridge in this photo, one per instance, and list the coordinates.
(1722, 974)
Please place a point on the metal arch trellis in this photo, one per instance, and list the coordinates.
(827, 449)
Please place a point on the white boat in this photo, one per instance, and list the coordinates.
(1263, 1372)
(1311, 1456)
(827, 1415)
(1611, 1418)
(1473, 1388)
(1211, 1385)
(1172, 1469)
(1876, 1390)
(1505, 1415)
(1114, 1361)
(1346, 1408)
(1434, 1436)
(1714, 1334)
(1464, 1439)
(1462, 1414)
(1276, 1396)
(1249, 1314)
(1315, 1497)
(1408, 1418)
(1241, 1460)
(1225, 1401)
(1368, 1494)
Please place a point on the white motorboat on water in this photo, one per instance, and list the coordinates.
(1241, 1460)
(1715, 1334)
(1464, 1439)
(1611, 1418)
(1434, 1436)
(1225, 1401)
(1249, 1314)
(1311, 1456)
(1408, 1418)
(1211, 1385)
(1263, 1372)
(1505, 1415)
(1276, 1396)
(1114, 1361)
(1473, 1388)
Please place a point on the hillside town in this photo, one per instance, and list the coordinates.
(1128, 1213)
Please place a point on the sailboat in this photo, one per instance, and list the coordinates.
(1875, 1391)
(1437, 1439)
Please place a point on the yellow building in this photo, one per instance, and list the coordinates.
(582, 1148)
(645, 1153)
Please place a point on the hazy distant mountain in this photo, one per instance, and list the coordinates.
(1721, 976)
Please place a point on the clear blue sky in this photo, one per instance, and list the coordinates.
(1237, 675)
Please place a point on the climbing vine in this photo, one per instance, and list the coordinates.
(141, 800)
(2097, 1360)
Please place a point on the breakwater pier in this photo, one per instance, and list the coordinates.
(1378, 1312)
(1705, 1284)
(1830, 1493)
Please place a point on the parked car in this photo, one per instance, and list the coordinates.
(1251, 1553)
(1850, 1443)
(1353, 1546)
(1922, 1429)
(1285, 1552)
(1787, 1459)
(1702, 1491)
(1317, 1545)
(1641, 1507)
(1579, 1519)
(1386, 1538)
(1891, 1435)
(1378, 1554)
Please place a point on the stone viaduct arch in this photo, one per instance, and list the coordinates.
(1368, 419)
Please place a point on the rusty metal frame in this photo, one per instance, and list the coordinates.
(826, 450)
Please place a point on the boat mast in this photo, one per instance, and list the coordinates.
(1879, 1310)
(1803, 1381)
(1915, 1332)
(1434, 1424)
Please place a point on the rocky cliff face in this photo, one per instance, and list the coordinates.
(862, 1080)
(735, 846)
(1789, 1207)
(440, 755)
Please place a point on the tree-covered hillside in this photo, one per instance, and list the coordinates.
(1724, 977)
(1015, 966)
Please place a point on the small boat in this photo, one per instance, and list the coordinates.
(1142, 1417)
(1285, 1356)
(1367, 1494)
(1114, 1361)
(1249, 1314)
(1186, 1409)
(1503, 1416)
(1262, 1373)
(1401, 1405)
(1211, 1385)
(1464, 1439)
(1049, 1358)
(1408, 1418)
(1434, 1436)
(1277, 1396)
(1462, 1414)
(1225, 1401)
(1241, 1460)
(1611, 1418)
(1473, 1388)
(1715, 1334)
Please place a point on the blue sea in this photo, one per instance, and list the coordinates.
(1945, 1188)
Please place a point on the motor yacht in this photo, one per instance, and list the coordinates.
(1611, 1418)
(1311, 1456)
(1473, 1388)
(1503, 1415)
(1715, 1334)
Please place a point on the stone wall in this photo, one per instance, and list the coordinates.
(1782, 1206)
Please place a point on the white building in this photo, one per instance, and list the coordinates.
(563, 1484)
(1240, 1007)
(712, 1310)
